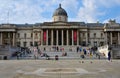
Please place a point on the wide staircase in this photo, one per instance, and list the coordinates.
(6, 51)
(70, 54)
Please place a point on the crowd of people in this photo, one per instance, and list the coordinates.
(86, 51)
(36, 52)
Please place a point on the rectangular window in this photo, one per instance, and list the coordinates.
(94, 34)
(89, 42)
(31, 35)
(88, 35)
(36, 43)
(18, 44)
(36, 35)
(24, 44)
(83, 43)
(18, 35)
(83, 35)
(25, 35)
(95, 43)
(101, 35)
(114, 34)
(31, 43)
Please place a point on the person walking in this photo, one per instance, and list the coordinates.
(77, 49)
(109, 56)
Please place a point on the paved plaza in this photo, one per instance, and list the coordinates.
(59, 69)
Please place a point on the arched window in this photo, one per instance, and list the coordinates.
(101, 34)
(65, 18)
(59, 18)
(94, 34)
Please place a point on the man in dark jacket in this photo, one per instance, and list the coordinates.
(109, 55)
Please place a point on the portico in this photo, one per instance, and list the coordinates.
(7, 35)
(7, 38)
(112, 37)
(60, 37)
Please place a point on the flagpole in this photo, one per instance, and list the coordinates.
(8, 17)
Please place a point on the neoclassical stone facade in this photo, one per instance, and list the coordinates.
(60, 32)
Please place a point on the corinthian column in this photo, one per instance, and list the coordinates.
(106, 38)
(57, 36)
(13, 39)
(62, 38)
(51, 37)
(41, 37)
(118, 38)
(77, 37)
(86, 38)
(1, 38)
(72, 38)
(46, 37)
(111, 37)
(67, 38)
(9, 39)
(33, 38)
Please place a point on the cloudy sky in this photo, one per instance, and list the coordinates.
(38, 11)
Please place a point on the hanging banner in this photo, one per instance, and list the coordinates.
(44, 36)
(75, 35)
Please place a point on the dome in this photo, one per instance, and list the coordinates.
(60, 11)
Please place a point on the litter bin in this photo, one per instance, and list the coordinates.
(5, 58)
(56, 57)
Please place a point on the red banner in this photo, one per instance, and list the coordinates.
(44, 36)
(75, 35)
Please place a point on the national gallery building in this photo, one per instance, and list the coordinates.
(60, 32)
